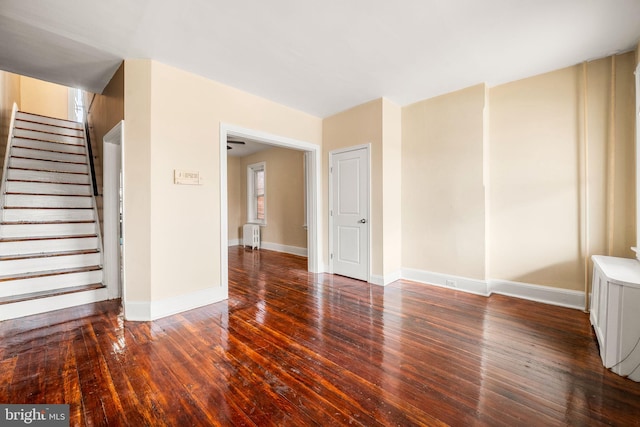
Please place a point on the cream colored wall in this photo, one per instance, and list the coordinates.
(356, 126)
(137, 182)
(443, 211)
(234, 198)
(392, 187)
(47, 99)
(9, 94)
(285, 195)
(535, 170)
(537, 131)
(183, 222)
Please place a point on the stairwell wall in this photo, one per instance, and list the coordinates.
(9, 94)
(105, 111)
(44, 98)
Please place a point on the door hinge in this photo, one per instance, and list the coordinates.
(331, 169)
(331, 256)
(331, 212)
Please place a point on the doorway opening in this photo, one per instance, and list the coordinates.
(113, 212)
(312, 191)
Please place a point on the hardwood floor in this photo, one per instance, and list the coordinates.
(293, 348)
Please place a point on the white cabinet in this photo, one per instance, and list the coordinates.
(615, 313)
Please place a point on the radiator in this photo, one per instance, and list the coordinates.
(251, 236)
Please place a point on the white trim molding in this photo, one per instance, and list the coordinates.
(474, 286)
(539, 293)
(545, 294)
(293, 250)
(386, 279)
(151, 310)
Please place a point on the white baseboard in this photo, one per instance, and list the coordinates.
(293, 250)
(544, 294)
(152, 310)
(235, 242)
(386, 279)
(43, 305)
(474, 286)
(539, 293)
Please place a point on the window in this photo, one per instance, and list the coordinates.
(257, 193)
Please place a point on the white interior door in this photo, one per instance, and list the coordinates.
(349, 182)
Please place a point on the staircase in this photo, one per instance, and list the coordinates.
(50, 246)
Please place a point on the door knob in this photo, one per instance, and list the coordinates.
(362, 221)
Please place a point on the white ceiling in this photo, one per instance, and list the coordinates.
(249, 147)
(316, 56)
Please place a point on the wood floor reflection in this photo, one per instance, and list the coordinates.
(293, 348)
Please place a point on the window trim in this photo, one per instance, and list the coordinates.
(251, 196)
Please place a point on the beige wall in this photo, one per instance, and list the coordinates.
(490, 188)
(9, 94)
(172, 122)
(392, 188)
(443, 211)
(379, 124)
(137, 181)
(235, 202)
(44, 98)
(356, 126)
(285, 195)
(537, 131)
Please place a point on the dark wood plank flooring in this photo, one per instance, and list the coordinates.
(293, 348)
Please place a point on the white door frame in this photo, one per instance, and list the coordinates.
(345, 150)
(314, 242)
(113, 165)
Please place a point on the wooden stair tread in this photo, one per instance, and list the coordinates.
(46, 140)
(49, 160)
(44, 131)
(45, 294)
(48, 254)
(47, 170)
(47, 124)
(16, 193)
(41, 207)
(52, 222)
(47, 151)
(33, 181)
(37, 238)
(48, 117)
(47, 273)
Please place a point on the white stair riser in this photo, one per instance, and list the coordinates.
(22, 133)
(48, 128)
(67, 148)
(15, 215)
(50, 245)
(38, 284)
(48, 155)
(47, 166)
(49, 120)
(32, 265)
(42, 188)
(48, 201)
(48, 176)
(46, 230)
